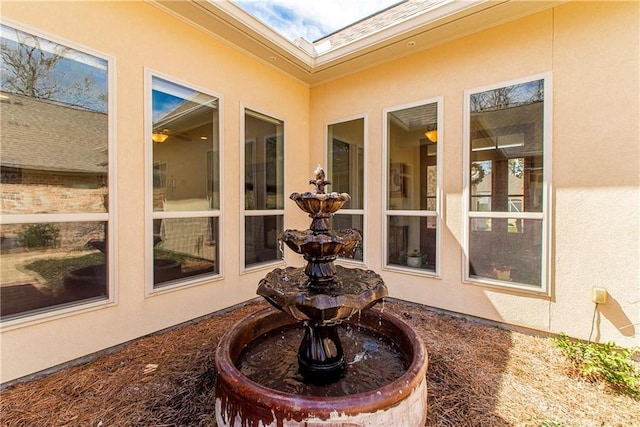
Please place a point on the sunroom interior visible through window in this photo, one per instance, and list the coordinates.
(413, 186)
(506, 182)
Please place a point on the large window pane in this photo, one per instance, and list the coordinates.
(506, 134)
(261, 238)
(346, 160)
(263, 187)
(412, 242)
(185, 148)
(506, 249)
(412, 158)
(54, 163)
(54, 127)
(185, 248)
(186, 181)
(264, 162)
(51, 264)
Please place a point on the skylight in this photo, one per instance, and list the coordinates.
(311, 19)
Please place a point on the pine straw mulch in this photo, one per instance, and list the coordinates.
(479, 375)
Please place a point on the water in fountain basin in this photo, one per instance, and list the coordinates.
(372, 362)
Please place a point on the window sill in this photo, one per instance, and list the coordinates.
(54, 314)
(502, 285)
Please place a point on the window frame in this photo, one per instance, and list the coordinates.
(80, 306)
(544, 215)
(387, 213)
(363, 210)
(244, 212)
(151, 215)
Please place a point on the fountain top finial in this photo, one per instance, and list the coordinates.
(320, 182)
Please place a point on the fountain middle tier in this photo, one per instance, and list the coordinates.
(352, 290)
(320, 249)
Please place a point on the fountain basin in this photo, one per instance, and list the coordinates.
(242, 402)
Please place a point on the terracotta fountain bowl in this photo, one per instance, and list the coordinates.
(242, 402)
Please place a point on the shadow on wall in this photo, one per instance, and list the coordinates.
(613, 312)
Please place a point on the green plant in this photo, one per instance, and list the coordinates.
(415, 253)
(39, 236)
(607, 362)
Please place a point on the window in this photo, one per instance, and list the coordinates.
(56, 236)
(184, 181)
(506, 147)
(263, 188)
(345, 169)
(413, 183)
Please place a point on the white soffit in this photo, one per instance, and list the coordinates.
(445, 21)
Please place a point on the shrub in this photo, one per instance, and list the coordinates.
(606, 362)
(39, 236)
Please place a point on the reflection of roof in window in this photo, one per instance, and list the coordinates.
(41, 135)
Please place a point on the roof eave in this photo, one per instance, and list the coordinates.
(445, 22)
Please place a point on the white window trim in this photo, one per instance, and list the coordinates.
(150, 215)
(252, 212)
(110, 217)
(545, 216)
(365, 199)
(439, 100)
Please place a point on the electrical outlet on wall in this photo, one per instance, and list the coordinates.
(599, 295)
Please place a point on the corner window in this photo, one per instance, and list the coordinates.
(184, 183)
(263, 185)
(413, 182)
(506, 175)
(345, 169)
(57, 235)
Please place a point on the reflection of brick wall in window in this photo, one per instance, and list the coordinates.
(33, 199)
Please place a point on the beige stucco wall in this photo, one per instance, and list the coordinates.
(139, 35)
(592, 52)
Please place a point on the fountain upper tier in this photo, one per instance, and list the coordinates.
(320, 205)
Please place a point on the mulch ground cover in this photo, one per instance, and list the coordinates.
(479, 375)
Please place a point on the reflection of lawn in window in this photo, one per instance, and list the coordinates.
(54, 270)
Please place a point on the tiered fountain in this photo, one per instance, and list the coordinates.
(263, 379)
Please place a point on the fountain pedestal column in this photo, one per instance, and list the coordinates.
(321, 357)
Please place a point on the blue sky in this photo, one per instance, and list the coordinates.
(311, 19)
